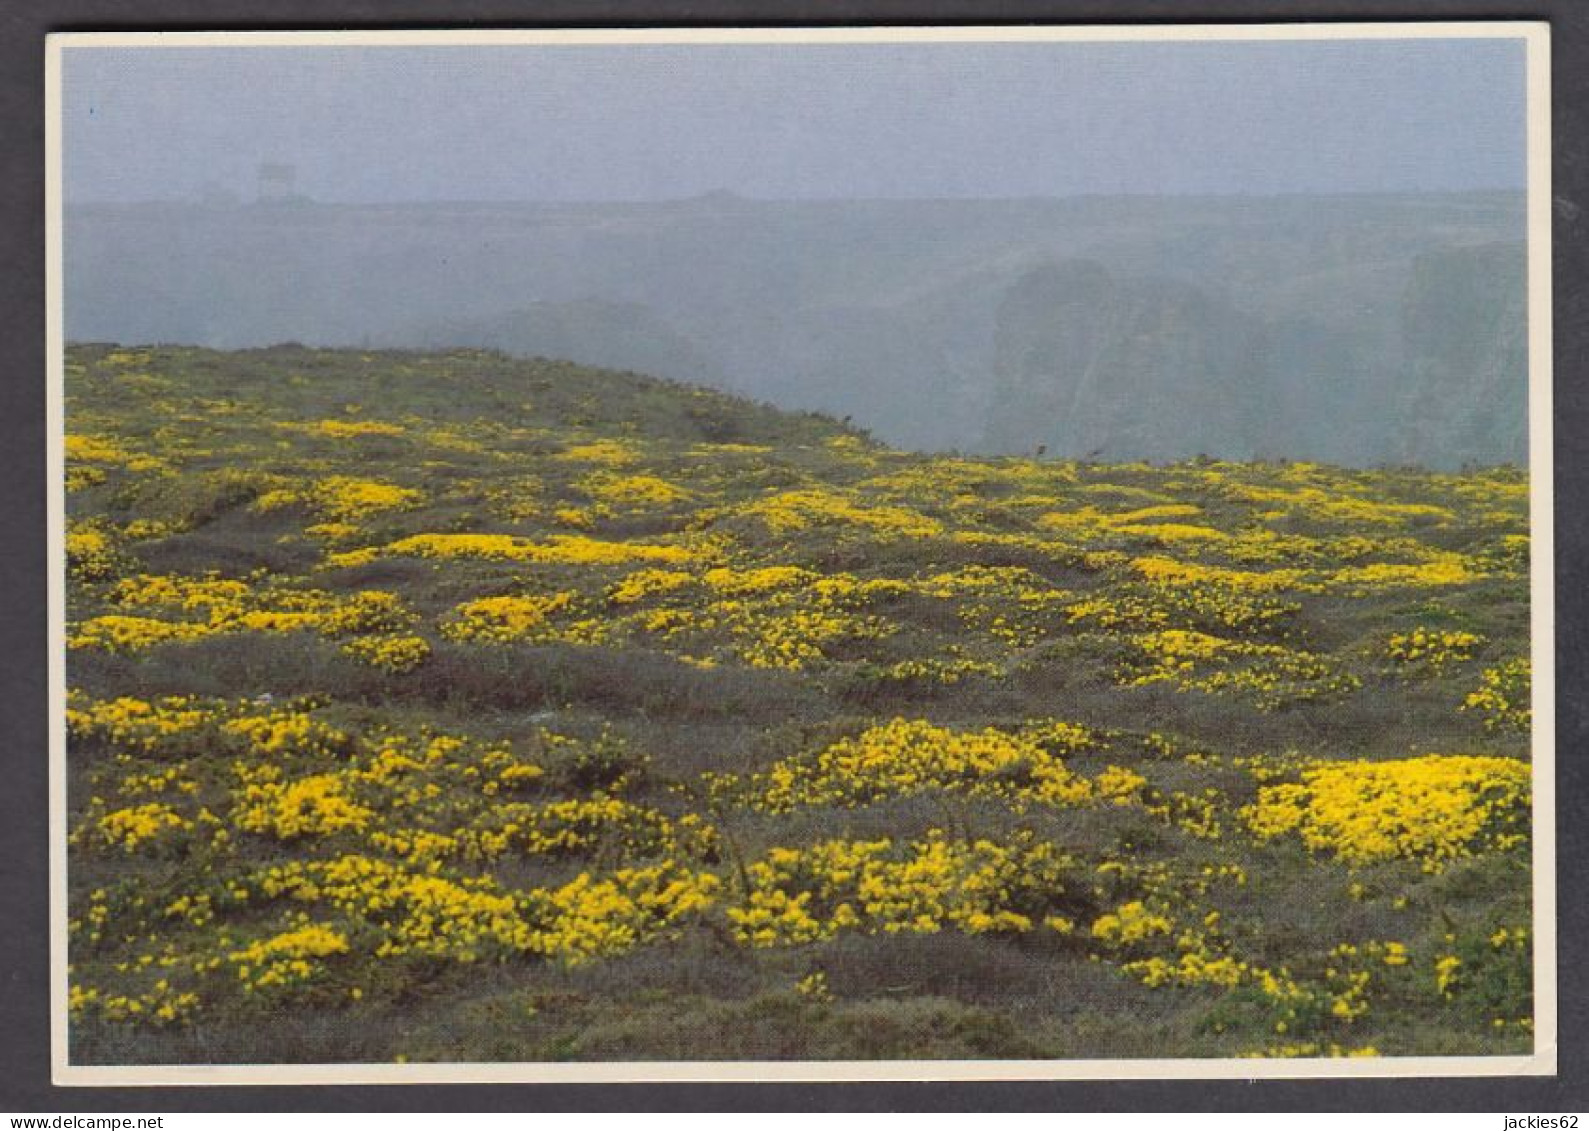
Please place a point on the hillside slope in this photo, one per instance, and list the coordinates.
(450, 707)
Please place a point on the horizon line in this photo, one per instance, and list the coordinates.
(730, 195)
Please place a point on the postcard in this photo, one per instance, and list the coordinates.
(867, 553)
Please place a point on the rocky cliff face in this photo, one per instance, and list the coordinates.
(1087, 363)
(1465, 327)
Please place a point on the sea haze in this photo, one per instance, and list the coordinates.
(1356, 328)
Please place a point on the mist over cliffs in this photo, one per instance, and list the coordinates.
(1358, 330)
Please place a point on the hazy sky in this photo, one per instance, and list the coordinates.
(628, 123)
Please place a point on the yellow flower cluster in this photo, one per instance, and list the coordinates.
(1433, 808)
(591, 918)
(905, 756)
(814, 987)
(396, 654)
(92, 552)
(288, 960)
(515, 498)
(580, 824)
(94, 449)
(1009, 603)
(161, 1005)
(1170, 572)
(794, 511)
(332, 531)
(505, 619)
(343, 498)
(648, 583)
(608, 453)
(777, 628)
(131, 725)
(346, 429)
(106, 451)
(124, 634)
(564, 549)
(1338, 997)
(286, 732)
(1432, 569)
(421, 913)
(1311, 1050)
(1503, 697)
(598, 824)
(1432, 649)
(633, 493)
(133, 827)
(312, 806)
(1059, 737)
(745, 583)
(1146, 523)
(1130, 923)
(799, 895)
(173, 779)
(1337, 503)
(203, 594)
(81, 478)
(230, 606)
(1270, 675)
(415, 912)
(766, 639)
(1442, 570)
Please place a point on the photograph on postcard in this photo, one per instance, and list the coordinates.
(1018, 549)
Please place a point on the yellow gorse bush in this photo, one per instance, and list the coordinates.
(795, 511)
(567, 549)
(229, 606)
(608, 453)
(633, 492)
(1130, 923)
(115, 633)
(1433, 808)
(906, 756)
(343, 498)
(647, 583)
(312, 806)
(506, 619)
(1271, 676)
(421, 913)
(799, 895)
(389, 653)
(592, 917)
(287, 960)
(93, 552)
(134, 725)
(130, 828)
(414, 911)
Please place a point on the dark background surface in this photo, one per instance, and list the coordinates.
(24, 720)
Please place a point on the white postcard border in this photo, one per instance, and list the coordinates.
(1543, 1060)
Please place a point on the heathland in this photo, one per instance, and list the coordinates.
(454, 707)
